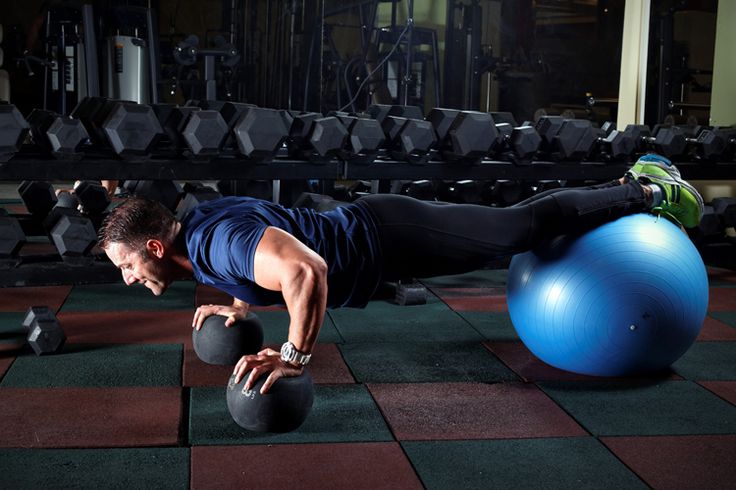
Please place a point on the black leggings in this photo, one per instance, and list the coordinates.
(426, 238)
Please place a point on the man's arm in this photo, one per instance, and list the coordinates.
(283, 263)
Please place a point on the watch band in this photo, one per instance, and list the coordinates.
(290, 354)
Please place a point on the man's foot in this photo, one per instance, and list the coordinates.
(681, 202)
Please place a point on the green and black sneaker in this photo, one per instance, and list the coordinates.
(681, 202)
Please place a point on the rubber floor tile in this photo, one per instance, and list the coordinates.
(441, 411)
(119, 297)
(313, 466)
(716, 330)
(31, 249)
(159, 468)
(276, 327)
(574, 462)
(20, 299)
(722, 299)
(127, 327)
(423, 362)
(99, 365)
(480, 278)
(727, 317)
(708, 361)
(327, 367)
(679, 462)
(720, 277)
(11, 326)
(613, 408)
(477, 303)
(494, 326)
(381, 321)
(724, 389)
(89, 417)
(5, 363)
(530, 368)
(341, 413)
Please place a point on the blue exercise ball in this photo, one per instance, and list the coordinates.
(627, 297)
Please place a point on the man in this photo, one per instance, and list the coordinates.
(261, 253)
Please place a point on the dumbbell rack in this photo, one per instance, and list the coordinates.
(47, 272)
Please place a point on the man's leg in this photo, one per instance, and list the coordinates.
(423, 238)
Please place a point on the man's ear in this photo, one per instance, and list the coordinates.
(155, 248)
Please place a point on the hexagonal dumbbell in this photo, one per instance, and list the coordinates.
(412, 140)
(205, 133)
(38, 197)
(463, 135)
(45, 335)
(317, 139)
(167, 192)
(12, 240)
(260, 133)
(72, 234)
(62, 137)
(13, 130)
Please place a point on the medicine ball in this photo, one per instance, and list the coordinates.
(215, 343)
(282, 409)
(625, 298)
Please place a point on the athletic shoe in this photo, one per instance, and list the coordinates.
(656, 160)
(681, 202)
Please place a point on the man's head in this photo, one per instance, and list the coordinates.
(139, 238)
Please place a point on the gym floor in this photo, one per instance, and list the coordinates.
(442, 395)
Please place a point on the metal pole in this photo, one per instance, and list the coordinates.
(90, 51)
(153, 63)
(410, 29)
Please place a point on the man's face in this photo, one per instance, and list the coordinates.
(152, 269)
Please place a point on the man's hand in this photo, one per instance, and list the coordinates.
(266, 361)
(232, 313)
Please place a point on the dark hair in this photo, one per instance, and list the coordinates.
(134, 222)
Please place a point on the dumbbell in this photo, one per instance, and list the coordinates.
(129, 129)
(72, 233)
(408, 136)
(668, 141)
(466, 136)
(316, 138)
(505, 193)
(12, 239)
(195, 194)
(379, 112)
(461, 191)
(45, 335)
(60, 136)
(716, 144)
(519, 143)
(167, 192)
(13, 131)
(260, 133)
(365, 138)
(578, 139)
(424, 190)
(213, 136)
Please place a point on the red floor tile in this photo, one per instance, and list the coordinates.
(722, 299)
(517, 357)
(724, 389)
(477, 303)
(313, 466)
(5, 362)
(716, 330)
(20, 299)
(722, 274)
(129, 327)
(89, 417)
(36, 248)
(327, 367)
(471, 411)
(679, 462)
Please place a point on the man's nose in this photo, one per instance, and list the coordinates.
(129, 278)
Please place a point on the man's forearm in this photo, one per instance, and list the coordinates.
(306, 300)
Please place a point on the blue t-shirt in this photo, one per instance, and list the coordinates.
(222, 235)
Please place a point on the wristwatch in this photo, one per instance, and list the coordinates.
(290, 354)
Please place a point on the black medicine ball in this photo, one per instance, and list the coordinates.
(215, 343)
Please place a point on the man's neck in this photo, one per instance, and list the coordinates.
(180, 257)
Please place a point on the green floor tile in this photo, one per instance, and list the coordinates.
(276, 328)
(485, 278)
(727, 317)
(382, 321)
(160, 468)
(495, 326)
(119, 297)
(708, 361)
(617, 408)
(99, 365)
(528, 463)
(10, 326)
(341, 413)
(424, 362)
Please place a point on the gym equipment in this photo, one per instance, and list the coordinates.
(667, 141)
(38, 197)
(205, 132)
(62, 137)
(128, 129)
(410, 293)
(45, 335)
(93, 197)
(167, 192)
(283, 409)
(609, 302)
(463, 135)
(72, 234)
(13, 130)
(365, 139)
(725, 208)
(411, 140)
(12, 240)
(461, 191)
(260, 133)
(316, 138)
(194, 196)
(217, 344)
